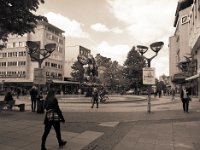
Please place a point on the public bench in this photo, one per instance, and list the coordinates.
(21, 107)
(3, 106)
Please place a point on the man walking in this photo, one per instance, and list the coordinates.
(34, 95)
(95, 98)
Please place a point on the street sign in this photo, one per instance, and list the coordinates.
(148, 75)
(39, 76)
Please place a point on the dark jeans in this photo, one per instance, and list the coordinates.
(33, 105)
(185, 105)
(47, 128)
(97, 103)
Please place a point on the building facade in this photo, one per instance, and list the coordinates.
(16, 66)
(184, 46)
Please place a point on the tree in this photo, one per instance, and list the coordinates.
(132, 69)
(77, 71)
(16, 17)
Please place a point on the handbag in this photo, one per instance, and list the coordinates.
(52, 115)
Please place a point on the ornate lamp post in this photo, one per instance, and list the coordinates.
(38, 54)
(156, 47)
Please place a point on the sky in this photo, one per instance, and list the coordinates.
(113, 27)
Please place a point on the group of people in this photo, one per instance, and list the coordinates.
(53, 116)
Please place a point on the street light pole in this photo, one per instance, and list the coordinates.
(143, 49)
(38, 54)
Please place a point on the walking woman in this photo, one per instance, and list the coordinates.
(185, 99)
(53, 118)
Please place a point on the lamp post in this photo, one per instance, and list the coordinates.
(156, 47)
(38, 54)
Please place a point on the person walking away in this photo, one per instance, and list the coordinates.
(53, 117)
(185, 99)
(95, 97)
(18, 90)
(9, 100)
(173, 92)
(34, 96)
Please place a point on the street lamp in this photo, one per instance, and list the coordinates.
(38, 54)
(156, 47)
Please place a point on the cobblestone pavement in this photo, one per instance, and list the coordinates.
(123, 123)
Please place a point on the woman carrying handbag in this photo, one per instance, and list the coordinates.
(53, 117)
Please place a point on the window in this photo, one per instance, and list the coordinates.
(21, 63)
(10, 54)
(14, 54)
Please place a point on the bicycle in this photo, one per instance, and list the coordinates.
(104, 99)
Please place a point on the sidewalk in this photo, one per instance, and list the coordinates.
(166, 128)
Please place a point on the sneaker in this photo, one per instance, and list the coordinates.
(63, 143)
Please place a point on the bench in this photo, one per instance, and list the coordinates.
(20, 106)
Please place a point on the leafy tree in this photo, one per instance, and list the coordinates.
(132, 69)
(77, 72)
(16, 17)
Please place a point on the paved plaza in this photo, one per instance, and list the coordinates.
(123, 123)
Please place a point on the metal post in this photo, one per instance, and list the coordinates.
(149, 90)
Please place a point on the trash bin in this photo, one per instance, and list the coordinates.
(40, 106)
(21, 107)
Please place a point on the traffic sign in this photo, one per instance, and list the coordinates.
(148, 75)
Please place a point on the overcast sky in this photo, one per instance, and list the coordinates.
(113, 27)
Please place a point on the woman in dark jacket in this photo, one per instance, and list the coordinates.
(51, 105)
(184, 95)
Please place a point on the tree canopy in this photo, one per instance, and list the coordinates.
(17, 17)
(132, 71)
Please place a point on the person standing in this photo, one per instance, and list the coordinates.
(9, 100)
(53, 117)
(173, 92)
(95, 98)
(34, 96)
(184, 95)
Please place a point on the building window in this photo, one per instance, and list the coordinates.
(10, 54)
(21, 63)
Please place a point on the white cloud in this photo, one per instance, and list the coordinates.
(117, 30)
(118, 52)
(99, 27)
(146, 20)
(72, 28)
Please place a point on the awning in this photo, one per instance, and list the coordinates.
(193, 77)
(178, 78)
(64, 82)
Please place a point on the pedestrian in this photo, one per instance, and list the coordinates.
(53, 117)
(18, 90)
(95, 98)
(185, 99)
(9, 100)
(34, 96)
(173, 92)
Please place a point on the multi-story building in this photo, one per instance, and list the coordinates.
(178, 43)
(185, 44)
(16, 66)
